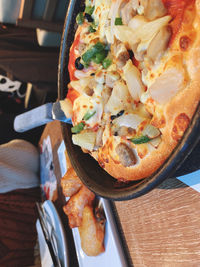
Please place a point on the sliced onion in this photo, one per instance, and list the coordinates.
(135, 4)
(156, 141)
(132, 77)
(148, 30)
(151, 131)
(119, 99)
(80, 85)
(159, 43)
(123, 33)
(82, 74)
(127, 12)
(129, 120)
(114, 8)
(167, 85)
(143, 34)
(137, 22)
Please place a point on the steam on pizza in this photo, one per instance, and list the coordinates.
(135, 83)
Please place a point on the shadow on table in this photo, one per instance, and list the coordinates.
(191, 164)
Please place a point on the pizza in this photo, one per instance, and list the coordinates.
(134, 81)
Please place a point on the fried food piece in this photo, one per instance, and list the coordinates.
(74, 207)
(91, 233)
(70, 183)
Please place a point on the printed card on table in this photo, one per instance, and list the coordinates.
(47, 175)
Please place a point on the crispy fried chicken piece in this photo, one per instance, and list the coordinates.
(74, 207)
(70, 183)
(91, 233)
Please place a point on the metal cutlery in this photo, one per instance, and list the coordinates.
(49, 236)
(40, 116)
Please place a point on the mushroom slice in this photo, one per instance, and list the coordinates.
(122, 55)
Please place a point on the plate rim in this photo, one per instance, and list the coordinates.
(49, 204)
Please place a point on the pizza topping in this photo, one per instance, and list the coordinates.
(119, 99)
(111, 78)
(88, 115)
(118, 21)
(140, 140)
(129, 120)
(132, 77)
(151, 131)
(127, 12)
(80, 18)
(159, 44)
(78, 128)
(167, 85)
(99, 138)
(155, 142)
(126, 155)
(121, 54)
(86, 139)
(124, 131)
(78, 64)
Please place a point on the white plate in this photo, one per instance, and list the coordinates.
(114, 253)
(59, 232)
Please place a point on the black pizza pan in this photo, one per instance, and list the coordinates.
(88, 170)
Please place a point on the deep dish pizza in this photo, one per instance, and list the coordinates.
(134, 81)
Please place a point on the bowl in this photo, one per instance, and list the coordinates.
(88, 170)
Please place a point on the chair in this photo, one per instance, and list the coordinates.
(45, 16)
(40, 14)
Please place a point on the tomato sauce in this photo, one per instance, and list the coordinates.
(72, 94)
(176, 9)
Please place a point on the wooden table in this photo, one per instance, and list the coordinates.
(161, 228)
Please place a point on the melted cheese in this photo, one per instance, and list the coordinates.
(82, 105)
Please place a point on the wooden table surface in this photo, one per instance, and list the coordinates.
(161, 228)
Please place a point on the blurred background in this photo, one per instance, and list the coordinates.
(30, 36)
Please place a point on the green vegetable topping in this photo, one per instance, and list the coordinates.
(106, 63)
(78, 128)
(140, 140)
(88, 115)
(99, 57)
(118, 21)
(89, 10)
(80, 18)
(91, 29)
(91, 53)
